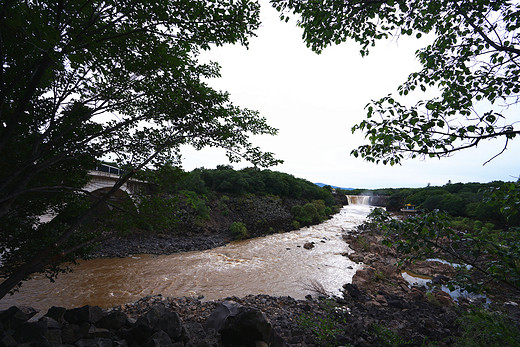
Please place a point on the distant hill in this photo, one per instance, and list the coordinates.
(336, 187)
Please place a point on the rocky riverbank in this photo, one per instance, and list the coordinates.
(379, 308)
(261, 215)
(158, 244)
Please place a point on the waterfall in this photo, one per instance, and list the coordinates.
(358, 199)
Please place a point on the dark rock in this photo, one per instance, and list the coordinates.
(15, 316)
(197, 336)
(98, 342)
(397, 302)
(158, 318)
(95, 332)
(56, 313)
(54, 336)
(8, 340)
(114, 320)
(73, 332)
(353, 291)
(87, 313)
(159, 339)
(31, 331)
(440, 279)
(51, 323)
(247, 328)
(444, 298)
(308, 245)
(70, 333)
(218, 317)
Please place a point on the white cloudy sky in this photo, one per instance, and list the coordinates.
(314, 100)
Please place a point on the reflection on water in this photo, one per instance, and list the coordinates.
(276, 265)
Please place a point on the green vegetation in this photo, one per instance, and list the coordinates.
(469, 67)
(491, 251)
(311, 213)
(326, 327)
(483, 328)
(82, 81)
(200, 188)
(225, 180)
(495, 202)
(386, 337)
(239, 230)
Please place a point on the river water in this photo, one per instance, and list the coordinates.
(275, 265)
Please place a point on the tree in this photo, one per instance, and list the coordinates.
(85, 80)
(472, 66)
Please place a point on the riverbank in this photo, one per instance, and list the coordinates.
(365, 315)
(378, 308)
(260, 215)
(163, 244)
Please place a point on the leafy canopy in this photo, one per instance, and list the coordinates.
(85, 80)
(472, 67)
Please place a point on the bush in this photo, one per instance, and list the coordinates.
(325, 328)
(157, 214)
(239, 230)
(483, 328)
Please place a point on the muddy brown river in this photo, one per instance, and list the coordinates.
(275, 265)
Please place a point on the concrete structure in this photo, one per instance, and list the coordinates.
(102, 180)
(104, 177)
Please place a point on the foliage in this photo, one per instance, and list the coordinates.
(324, 327)
(483, 328)
(225, 180)
(157, 213)
(386, 337)
(310, 213)
(116, 80)
(238, 230)
(484, 201)
(492, 254)
(471, 67)
(196, 202)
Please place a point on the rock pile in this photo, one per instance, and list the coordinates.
(229, 324)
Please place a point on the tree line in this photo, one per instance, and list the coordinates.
(224, 179)
(470, 200)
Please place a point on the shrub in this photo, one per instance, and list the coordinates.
(483, 328)
(239, 230)
(326, 327)
(157, 214)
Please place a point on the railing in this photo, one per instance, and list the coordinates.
(110, 169)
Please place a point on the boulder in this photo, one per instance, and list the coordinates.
(197, 336)
(114, 320)
(242, 326)
(218, 317)
(56, 313)
(32, 332)
(15, 316)
(159, 339)
(85, 314)
(156, 319)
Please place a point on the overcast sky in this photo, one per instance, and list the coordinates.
(314, 100)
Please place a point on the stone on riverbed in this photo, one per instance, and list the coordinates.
(308, 245)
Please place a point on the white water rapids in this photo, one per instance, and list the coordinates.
(275, 265)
